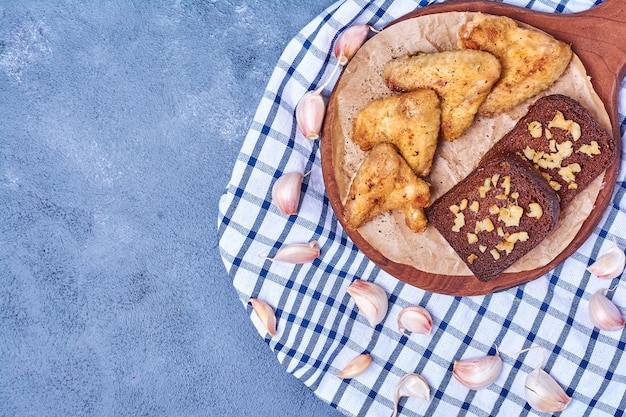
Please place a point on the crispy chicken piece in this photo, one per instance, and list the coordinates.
(410, 121)
(385, 182)
(461, 78)
(531, 60)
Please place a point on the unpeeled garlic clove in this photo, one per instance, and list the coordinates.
(411, 385)
(349, 42)
(265, 313)
(286, 192)
(310, 114)
(610, 265)
(415, 319)
(478, 373)
(604, 314)
(543, 393)
(371, 299)
(356, 366)
(298, 253)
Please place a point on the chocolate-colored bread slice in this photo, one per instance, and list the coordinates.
(496, 215)
(563, 141)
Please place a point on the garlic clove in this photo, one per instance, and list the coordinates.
(286, 192)
(371, 299)
(298, 253)
(415, 319)
(349, 42)
(478, 373)
(265, 313)
(604, 314)
(411, 385)
(543, 393)
(610, 265)
(310, 114)
(356, 366)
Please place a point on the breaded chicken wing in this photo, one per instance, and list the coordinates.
(461, 78)
(385, 182)
(410, 121)
(531, 60)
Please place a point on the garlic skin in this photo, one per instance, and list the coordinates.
(371, 299)
(411, 385)
(604, 314)
(349, 42)
(286, 192)
(415, 319)
(543, 393)
(356, 366)
(298, 253)
(478, 373)
(266, 314)
(310, 113)
(610, 265)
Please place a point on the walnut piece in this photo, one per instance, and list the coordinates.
(459, 221)
(591, 149)
(535, 210)
(535, 129)
(569, 125)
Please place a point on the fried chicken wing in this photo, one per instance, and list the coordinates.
(385, 182)
(531, 60)
(410, 121)
(461, 78)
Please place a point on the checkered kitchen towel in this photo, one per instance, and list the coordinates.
(319, 327)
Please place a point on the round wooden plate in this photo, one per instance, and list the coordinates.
(597, 37)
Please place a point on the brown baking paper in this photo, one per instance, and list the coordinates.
(362, 82)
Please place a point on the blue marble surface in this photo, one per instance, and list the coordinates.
(119, 126)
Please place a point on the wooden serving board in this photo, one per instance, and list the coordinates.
(598, 37)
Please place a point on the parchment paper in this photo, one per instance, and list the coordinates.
(362, 82)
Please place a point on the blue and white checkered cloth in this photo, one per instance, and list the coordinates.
(319, 327)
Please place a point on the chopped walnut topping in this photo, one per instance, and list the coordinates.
(565, 149)
(483, 189)
(474, 206)
(505, 246)
(511, 215)
(569, 172)
(535, 129)
(517, 236)
(555, 185)
(471, 258)
(459, 221)
(484, 225)
(569, 125)
(535, 210)
(472, 238)
(506, 184)
(495, 254)
(575, 131)
(591, 149)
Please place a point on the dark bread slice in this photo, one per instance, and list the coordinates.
(554, 160)
(495, 249)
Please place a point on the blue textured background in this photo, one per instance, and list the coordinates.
(119, 126)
